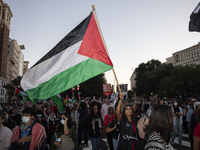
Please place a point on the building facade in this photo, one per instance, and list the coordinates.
(5, 18)
(2, 90)
(25, 68)
(17, 58)
(190, 55)
(132, 80)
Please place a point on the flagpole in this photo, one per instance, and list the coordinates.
(95, 16)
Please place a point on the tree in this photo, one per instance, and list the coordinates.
(146, 79)
(89, 88)
(10, 88)
(93, 86)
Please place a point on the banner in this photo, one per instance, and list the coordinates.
(124, 89)
(107, 89)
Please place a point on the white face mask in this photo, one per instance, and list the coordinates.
(175, 104)
(25, 119)
(62, 121)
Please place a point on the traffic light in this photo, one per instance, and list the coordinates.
(78, 87)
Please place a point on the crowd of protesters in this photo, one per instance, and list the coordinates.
(138, 124)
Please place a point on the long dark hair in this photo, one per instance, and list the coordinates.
(133, 113)
(83, 105)
(69, 122)
(92, 111)
(139, 109)
(160, 121)
(197, 112)
(10, 120)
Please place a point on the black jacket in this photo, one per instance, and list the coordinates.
(97, 132)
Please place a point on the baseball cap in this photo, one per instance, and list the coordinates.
(15, 107)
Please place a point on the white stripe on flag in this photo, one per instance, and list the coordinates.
(52, 66)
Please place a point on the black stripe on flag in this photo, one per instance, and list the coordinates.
(70, 39)
(194, 24)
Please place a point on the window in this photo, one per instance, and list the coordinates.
(3, 13)
(0, 11)
(195, 50)
(176, 58)
(182, 56)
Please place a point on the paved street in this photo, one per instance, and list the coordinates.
(185, 144)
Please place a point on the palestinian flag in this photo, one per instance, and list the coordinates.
(79, 56)
(67, 99)
(58, 101)
(135, 94)
(73, 97)
(21, 93)
(79, 97)
(194, 24)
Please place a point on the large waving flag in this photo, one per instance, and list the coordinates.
(194, 24)
(79, 56)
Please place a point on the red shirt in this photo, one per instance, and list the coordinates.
(197, 132)
(106, 121)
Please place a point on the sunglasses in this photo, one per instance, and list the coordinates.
(96, 108)
(62, 118)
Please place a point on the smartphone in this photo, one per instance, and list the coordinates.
(58, 139)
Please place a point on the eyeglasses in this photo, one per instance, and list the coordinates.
(62, 118)
(96, 108)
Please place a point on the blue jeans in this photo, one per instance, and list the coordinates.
(115, 144)
(95, 143)
(176, 127)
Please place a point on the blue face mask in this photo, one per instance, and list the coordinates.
(6, 117)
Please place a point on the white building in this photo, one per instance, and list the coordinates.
(190, 55)
(132, 80)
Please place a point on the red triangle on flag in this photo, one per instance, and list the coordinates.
(67, 98)
(16, 91)
(92, 45)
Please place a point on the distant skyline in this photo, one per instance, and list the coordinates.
(134, 31)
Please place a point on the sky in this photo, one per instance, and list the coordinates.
(135, 31)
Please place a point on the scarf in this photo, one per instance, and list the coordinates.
(24, 127)
(38, 136)
(52, 117)
(99, 122)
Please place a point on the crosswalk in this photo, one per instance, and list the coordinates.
(185, 144)
(102, 146)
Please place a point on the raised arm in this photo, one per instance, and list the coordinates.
(78, 105)
(86, 103)
(118, 113)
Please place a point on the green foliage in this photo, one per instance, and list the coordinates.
(93, 86)
(167, 80)
(89, 88)
(10, 88)
(130, 94)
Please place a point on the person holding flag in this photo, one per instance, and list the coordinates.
(79, 56)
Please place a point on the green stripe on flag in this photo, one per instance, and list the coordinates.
(68, 78)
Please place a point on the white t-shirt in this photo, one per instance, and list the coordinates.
(105, 109)
(5, 137)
